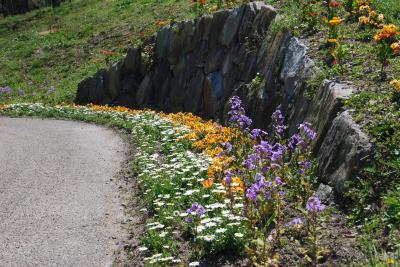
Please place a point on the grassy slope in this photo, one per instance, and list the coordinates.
(34, 60)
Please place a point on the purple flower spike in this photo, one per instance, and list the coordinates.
(5, 90)
(256, 133)
(251, 161)
(196, 209)
(309, 132)
(237, 114)
(228, 177)
(278, 120)
(314, 205)
(295, 141)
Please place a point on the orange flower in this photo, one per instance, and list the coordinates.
(208, 183)
(334, 3)
(386, 32)
(201, 2)
(108, 53)
(313, 14)
(237, 185)
(162, 23)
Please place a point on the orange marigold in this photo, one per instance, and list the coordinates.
(386, 32)
(208, 183)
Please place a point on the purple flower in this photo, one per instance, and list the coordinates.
(277, 122)
(314, 205)
(228, 177)
(295, 222)
(196, 209)
(304, 165)
(309, 132)
(278, 181)
(256, 188)
(237, 114)
(5, 90)
(295, 141)
(227, 146)
(270, 152)
(188, 219)
(251, 162)
(252, 193)
(256, 133)
(259, 177)
(261, 186)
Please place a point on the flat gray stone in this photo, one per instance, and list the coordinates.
(343, 153)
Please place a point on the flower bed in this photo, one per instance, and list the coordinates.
(215, 194)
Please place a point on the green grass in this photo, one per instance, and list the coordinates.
(34, 61)
(391, 9)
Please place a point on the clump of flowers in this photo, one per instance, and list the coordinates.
(385, 39)
(313, 207)
(311, 10)
(367, 16)
(333, 21)
(268, 166)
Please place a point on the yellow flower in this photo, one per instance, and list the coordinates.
(364, 7)
(335, 21)
(332, 40)
(396, 48)
(373, 13)
(390, 261)
(363, 20)
(381, 17)
(396, 84)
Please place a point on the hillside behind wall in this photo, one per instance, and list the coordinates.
(196, 66)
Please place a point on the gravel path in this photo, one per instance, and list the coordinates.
(58, 205)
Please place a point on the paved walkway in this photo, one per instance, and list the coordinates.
(58, 206)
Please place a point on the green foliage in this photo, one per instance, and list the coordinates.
(375, 201)
(123, 3)
(392, 207)
(312, 85)
(60, 47)
(289, 19)
(391, 9)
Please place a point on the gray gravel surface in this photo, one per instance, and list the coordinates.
(58, 205)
